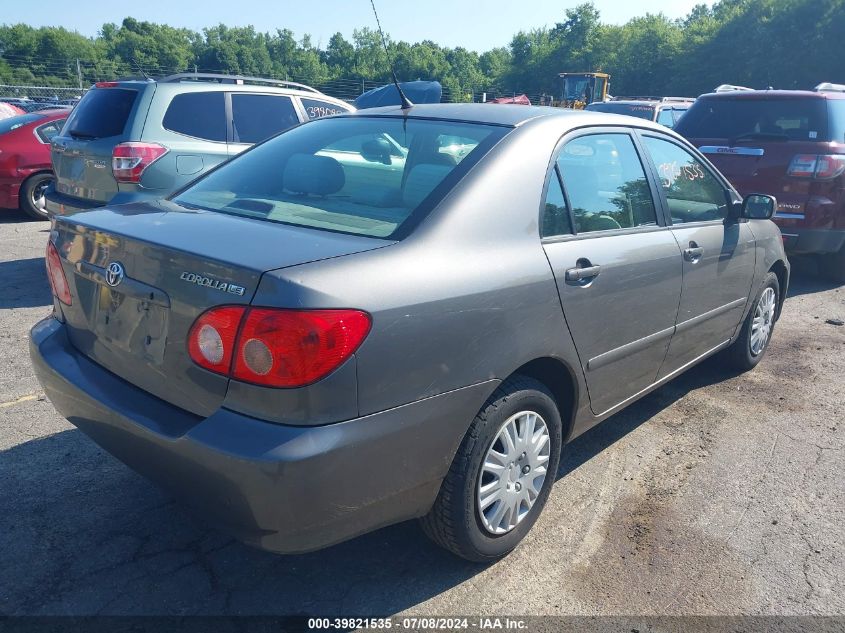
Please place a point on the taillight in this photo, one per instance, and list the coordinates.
(276, 347)
(58, 281)
(129, 160)
(819, 167)
(106, 84)
(211, 341)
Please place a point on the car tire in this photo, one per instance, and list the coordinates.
(456, 522)
(32, 195)
(748, 350)
(833, 266)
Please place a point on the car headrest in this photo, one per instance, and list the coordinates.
(309, 173)
(421, 181)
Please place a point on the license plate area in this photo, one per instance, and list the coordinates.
(135, 326)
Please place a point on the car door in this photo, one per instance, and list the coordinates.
(718, 251)
(617, 267)
(256, 117)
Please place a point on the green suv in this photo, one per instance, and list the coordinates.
(141, 139)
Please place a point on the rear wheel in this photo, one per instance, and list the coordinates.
(32, 195)
(502, 474)
(833, 266)
(753, 341)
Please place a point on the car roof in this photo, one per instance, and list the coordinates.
(508, 115)
(176, 87)
(769, 94)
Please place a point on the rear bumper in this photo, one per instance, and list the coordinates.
(59, 204)
(801, 241)
(282, 488)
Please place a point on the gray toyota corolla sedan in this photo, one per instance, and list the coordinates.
(401, 313)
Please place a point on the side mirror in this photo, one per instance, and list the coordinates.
(376, 151)
(758, 206)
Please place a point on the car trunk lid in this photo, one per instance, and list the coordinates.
(141, 274)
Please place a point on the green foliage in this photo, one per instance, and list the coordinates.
(759, 43)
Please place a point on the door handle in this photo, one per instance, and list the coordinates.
(582, 273)
(693, 253)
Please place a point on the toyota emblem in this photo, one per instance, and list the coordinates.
(114, 273)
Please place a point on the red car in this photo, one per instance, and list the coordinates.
(25, 169)
(789, 144)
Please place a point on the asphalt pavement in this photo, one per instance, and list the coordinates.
(717, 494)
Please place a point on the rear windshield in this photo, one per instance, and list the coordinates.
(14, 122)
(101, 113)
(766, 119)
(373, 176)
(638, 110)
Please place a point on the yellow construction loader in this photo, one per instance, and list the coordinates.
(581, 89)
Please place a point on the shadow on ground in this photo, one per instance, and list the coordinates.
(25, 284)
(82, 534)
(15, 216)
(805, 278)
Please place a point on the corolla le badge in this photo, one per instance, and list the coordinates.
(114, 273)
(215, 284)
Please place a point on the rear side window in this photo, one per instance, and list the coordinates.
(692, 192)
(606, 183)
(555, 213)
(198, 114)
(49, 130)
(664, 117)
(257, 117)
(765, 119)
(103, 112)
(316, 108)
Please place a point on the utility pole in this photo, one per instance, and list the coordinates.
(79, 74)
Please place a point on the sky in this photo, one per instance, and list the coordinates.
(478, 25)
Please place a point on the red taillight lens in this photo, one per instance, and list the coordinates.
(211, 341)
(276, 347)
(58, 281)
(129, 160)
(292, 348)
(106, 84)
(830, 166)
(820, 167)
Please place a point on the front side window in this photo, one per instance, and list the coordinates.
(197, 114)
(362, 175)
(693, 193)
(606, 183)
(256, 117)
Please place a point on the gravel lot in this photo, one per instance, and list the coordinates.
(717, 494)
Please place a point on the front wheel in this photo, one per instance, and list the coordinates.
(502, 474)
(32, 195)
(756, 333)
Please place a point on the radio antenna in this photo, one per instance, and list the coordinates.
(406, 103)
